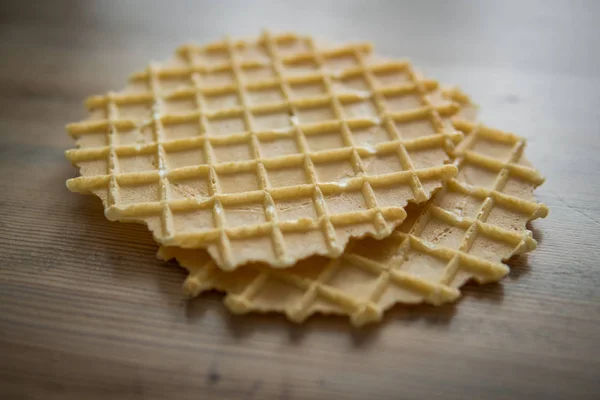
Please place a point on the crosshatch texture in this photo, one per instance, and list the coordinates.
(476, 221)
(270, 150)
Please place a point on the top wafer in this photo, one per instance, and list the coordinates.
(269, 150)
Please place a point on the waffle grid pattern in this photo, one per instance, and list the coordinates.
(455, 240)
(296, 117)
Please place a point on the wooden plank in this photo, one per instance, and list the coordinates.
(86, 311)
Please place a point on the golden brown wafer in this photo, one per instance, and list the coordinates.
(269, 150)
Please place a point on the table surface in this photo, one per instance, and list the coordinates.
(86, 311)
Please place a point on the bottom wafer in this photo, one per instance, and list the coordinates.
(472, 224)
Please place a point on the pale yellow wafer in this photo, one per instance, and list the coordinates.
(270, 150)
(465, 232)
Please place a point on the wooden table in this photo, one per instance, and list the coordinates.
(87, 312)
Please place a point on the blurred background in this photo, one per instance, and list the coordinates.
(517, 59)
(84, 316)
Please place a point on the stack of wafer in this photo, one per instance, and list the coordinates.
(300, 177)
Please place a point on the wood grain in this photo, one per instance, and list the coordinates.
(87, 312)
